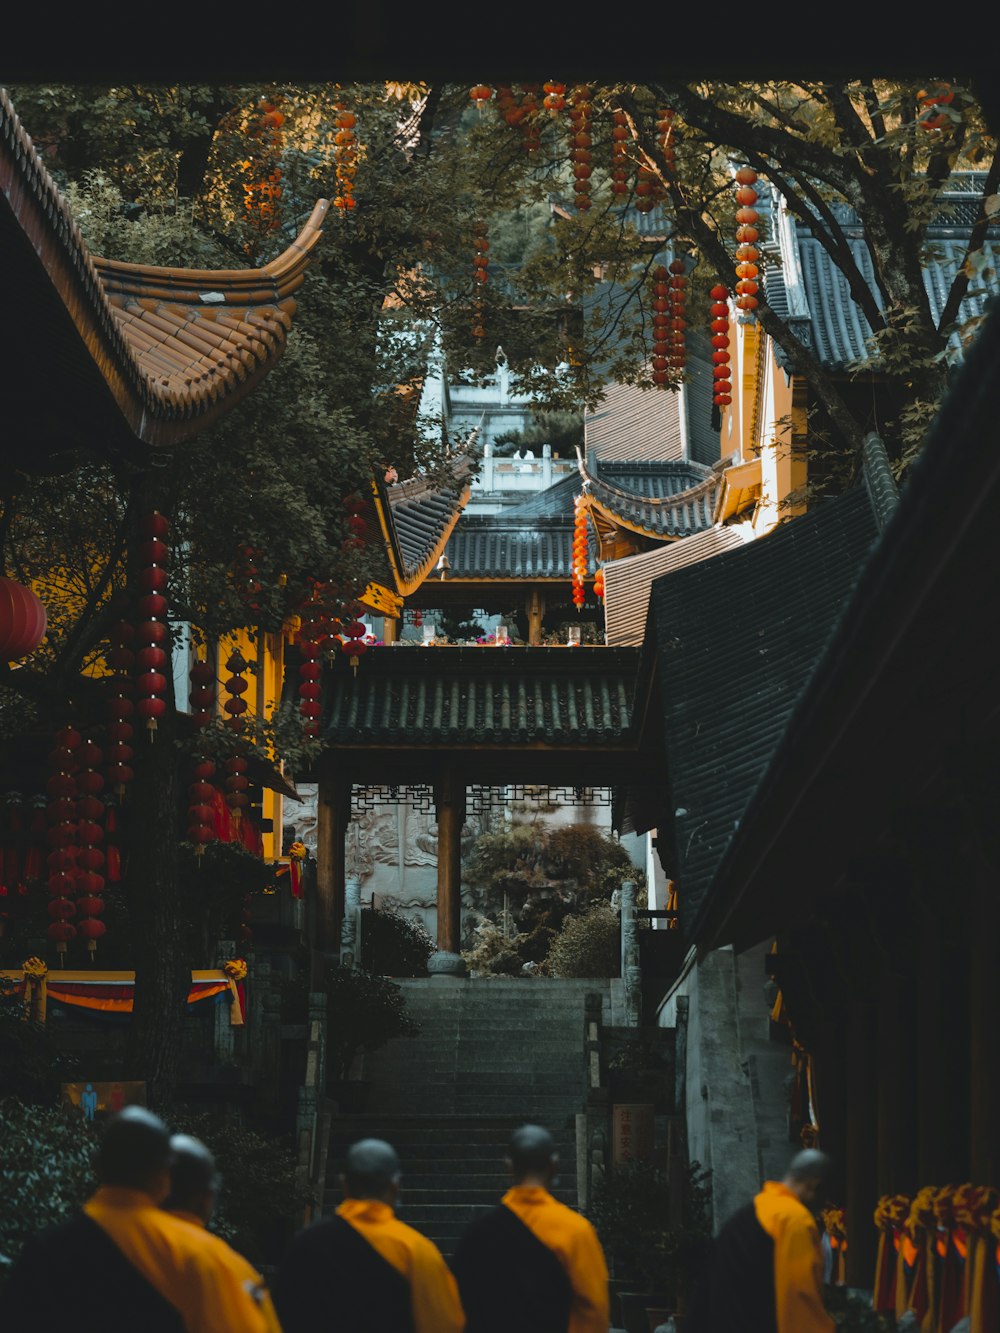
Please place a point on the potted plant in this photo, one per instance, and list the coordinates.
(656, 1261)
(364, 1011)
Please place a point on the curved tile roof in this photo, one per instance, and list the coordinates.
(493, 546)
(832, 325)
(423, 516)
(448, 696)
(664, 500)
(150, 354)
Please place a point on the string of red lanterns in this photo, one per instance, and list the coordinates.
(667, 136)
(599, 584)
(353, 643)
(579, 549)
(62, 818)
(153, 634)
(262, 198)
(678, 324)
(237, 786)
(480, 273)
(236, 685)
(90, 834)
(531, 131)
(620, 135)
(747, 234)
(345, 153)
(119, 708)
(201, 820)
(722, 381)
(662, 325)
(581, 140)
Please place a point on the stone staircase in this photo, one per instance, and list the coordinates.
(493, 1054)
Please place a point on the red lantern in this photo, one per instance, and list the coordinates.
(61, 932)
(23, 621)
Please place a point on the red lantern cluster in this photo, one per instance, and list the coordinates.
(23, 621)
(580, 113)
(237, 786)
(747, 234)
(90, 835)
(262, 197)
(345, 153)
(120, 708)
(62, 818)
(201, 819)
(929, 118)
(579, 549)
(236, 685)
(555, 98)
(310, 677)
(722, 382)
(619, 152)
(152, 658)
(662, 326)
(599, 584)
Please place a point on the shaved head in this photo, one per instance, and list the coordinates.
(194, 1180)
(532, 1152)
(134, 1151)
(371, 1169)
(808, 1176)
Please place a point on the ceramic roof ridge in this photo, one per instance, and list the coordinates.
(120, 337)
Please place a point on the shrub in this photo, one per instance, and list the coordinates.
(393, 945)
(261, 1203)
(588, 945)
(363, 1011)
(494, 953)
(629, 1210)
(45, 1169)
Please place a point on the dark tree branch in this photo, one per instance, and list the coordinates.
(874, 108)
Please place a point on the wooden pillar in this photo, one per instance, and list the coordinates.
(390, 630)
(535, 609)
(861, 1144)
(449, 797)
(984, 1037)
(332, 818)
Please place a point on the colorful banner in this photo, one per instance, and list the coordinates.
(113, 993)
